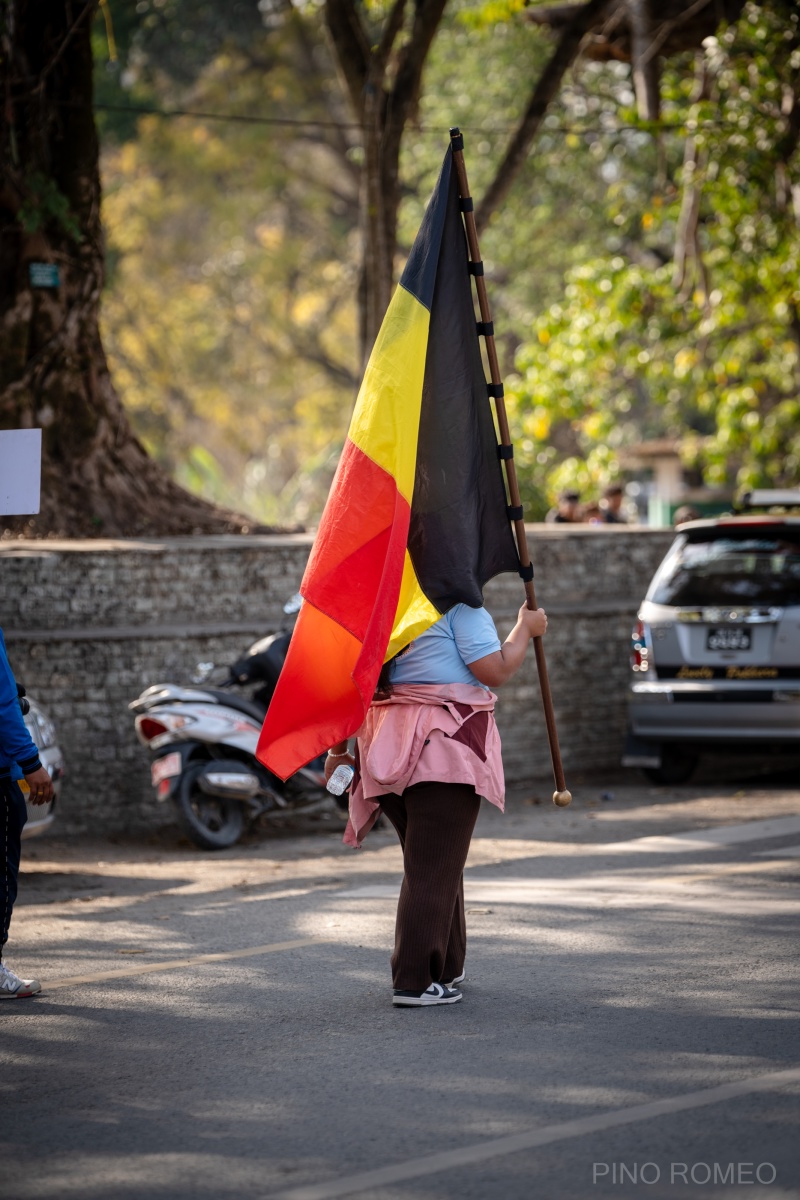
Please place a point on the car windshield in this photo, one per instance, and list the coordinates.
(730, 566)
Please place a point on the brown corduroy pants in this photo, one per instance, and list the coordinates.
(434, 822)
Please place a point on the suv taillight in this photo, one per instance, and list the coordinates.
(639, 655)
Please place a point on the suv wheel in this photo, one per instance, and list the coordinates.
(676, 767)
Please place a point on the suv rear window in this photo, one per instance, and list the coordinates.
(730, 566)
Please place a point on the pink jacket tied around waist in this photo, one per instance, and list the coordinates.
(420, 733)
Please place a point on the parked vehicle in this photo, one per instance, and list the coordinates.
(43, 733)
(716, 647)
(203, 739)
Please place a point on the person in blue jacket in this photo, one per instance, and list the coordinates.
(18, 757)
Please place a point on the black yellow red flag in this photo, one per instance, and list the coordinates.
(416, 519)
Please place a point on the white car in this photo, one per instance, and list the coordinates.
(43, 732)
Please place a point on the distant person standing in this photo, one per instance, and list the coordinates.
(567, 511)
(611, 505)
(18, 757)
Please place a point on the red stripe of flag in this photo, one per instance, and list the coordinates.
(351, 587)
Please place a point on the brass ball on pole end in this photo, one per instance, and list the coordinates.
(562, 799)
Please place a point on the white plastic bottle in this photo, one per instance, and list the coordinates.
(340, 780)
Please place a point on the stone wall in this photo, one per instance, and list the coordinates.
(89, 624)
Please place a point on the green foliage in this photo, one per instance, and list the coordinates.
(230, 309)
(45, 202)
(556, 216)
(703, 347)
(491, 14)
(162, 47)
(229, 314)
(479, 77)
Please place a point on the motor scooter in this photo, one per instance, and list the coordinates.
(203, 739)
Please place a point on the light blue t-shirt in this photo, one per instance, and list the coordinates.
(441, 653)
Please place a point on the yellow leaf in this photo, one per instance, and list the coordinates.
(684, 361)
(540, 426)
(269, 236)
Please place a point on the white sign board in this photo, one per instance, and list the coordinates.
(20, 471)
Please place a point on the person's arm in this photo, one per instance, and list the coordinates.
(16, 743)
(337, 755)
(496, 669)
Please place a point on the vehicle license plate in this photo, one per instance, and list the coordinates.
(728, 637)
(165, 768)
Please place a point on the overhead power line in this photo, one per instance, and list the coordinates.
(241, 118)
(322, 123)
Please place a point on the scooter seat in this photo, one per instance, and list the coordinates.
(240, 703)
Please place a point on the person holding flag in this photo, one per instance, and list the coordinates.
(415, 525)
(427, 753)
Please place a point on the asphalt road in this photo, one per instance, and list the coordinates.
(221, 1025)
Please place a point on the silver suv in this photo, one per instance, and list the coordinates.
(716, 648)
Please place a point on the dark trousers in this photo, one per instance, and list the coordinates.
(434, 822)
(13, 815)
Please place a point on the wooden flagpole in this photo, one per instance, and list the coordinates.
(561, 796)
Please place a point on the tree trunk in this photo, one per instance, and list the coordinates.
(634, 31)
(676, 26)
(644, 61)
(379, 202)
(383, 101)
(544, 92)
(97, 479)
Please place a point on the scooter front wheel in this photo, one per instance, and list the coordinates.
(211, 822)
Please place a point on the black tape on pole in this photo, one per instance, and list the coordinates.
(485, 328)
(515, 512)
(526, 573)
(457, 142)
(467, 204)
(495, 390)
(476, 268)
(505, 452)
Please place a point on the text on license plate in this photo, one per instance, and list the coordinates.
(165, 768)
(729, 637)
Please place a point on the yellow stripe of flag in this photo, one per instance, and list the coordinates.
(385, 422)
(415, 613)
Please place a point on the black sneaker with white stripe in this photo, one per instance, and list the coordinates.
(455, 982)
(437, 993)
